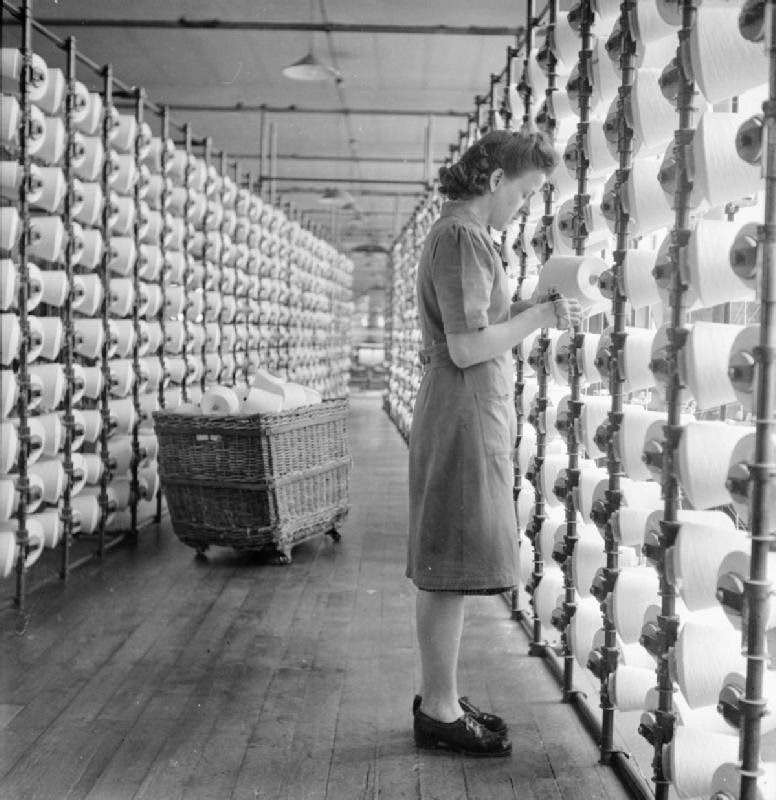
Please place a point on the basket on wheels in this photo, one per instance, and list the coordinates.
(256, 482)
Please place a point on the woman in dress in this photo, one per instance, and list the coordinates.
(463, 532)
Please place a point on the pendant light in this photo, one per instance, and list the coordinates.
(308, 68)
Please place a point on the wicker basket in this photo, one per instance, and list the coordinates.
(264, 481)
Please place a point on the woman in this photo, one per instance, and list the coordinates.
(463, 535)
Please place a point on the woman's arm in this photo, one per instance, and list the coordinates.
(519, 307)
(474, 347)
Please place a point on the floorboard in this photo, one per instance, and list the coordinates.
(152, 676)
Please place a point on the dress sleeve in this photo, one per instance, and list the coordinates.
(463, 275)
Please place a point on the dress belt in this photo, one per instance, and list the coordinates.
(436, 355)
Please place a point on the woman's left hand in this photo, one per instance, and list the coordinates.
(568, 313)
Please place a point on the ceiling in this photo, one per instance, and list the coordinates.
(417, 72)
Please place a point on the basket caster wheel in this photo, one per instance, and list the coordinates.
(200, 554)
(335, 535)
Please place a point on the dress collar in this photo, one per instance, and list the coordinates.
(461, 210)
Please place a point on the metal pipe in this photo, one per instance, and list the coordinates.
(134, 483)
(67, 312)
(188, 271)
(610, 651)
(23, 378)
(576, 341)
(243, 108)
(273, 164)
(668, 622)
(763, 470)
(337, 158)
(105, 431)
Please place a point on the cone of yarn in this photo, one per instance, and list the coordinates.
(553, 464)
(719, 172)
(630, 440)
(705, 450)
(554, 519)
(545, 595)
(648, 205)
(741, 457)
(597, 229)
(586, 356)
(525, 558)
(583, 627)
(638, 285)
(742, 355)
(710, 274)
(525, 502)
(700, 669)
(595, 412)
(650, 25)
(632, 654)
(692, 756)
(565, 44)
(628, 687)
(696, 557)
(629, 524)
(639, 494)
(558, 357)
(600, 158)
(658, 359)
(704, 363)
(635, 590)
(636, 357)
(732, 572)
(588, 556)
(737, 681)
(591, 479)
(220, 400)
(527, 448)
(726, 781)
(724, 64)
(575, 277)
(654, 117)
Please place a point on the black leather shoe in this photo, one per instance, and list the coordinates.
(465, 735)
(489, 721)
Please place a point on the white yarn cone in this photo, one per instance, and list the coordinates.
(658, 361)
(705, 449)
(565, 44)
(545, 595)
(600, 158)
(635, 590)
(726, 780)
(636, 356)
(587, 558)
(742, 355)
(740, 458)
(710, 274)
(525, 557)
(654, 118)
(700, 669)
(650, 25)
(734, 571)
(704, 363)
(553, 464)
(692, 756)
(737, 681)
(582, 628)
(595, 412)
(648, 205)
(576, 277)
(597, 227)
(527, 448)
(724, 64)
(628, 687)
(696, 557)
(629, 524)
(719, 173)
(590, 479)
(525, 502)
(220, 400)
(630, 440)
(638, 284)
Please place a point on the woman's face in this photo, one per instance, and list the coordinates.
(509, 194)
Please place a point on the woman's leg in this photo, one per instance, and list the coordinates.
(439, 624)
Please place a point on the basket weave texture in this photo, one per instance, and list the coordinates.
(257, 481)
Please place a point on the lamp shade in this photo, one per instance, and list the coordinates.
(308, 68)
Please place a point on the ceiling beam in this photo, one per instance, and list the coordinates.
(284, 190)
(243, 25)
(242, 108)
(359, 159)
(324, 179)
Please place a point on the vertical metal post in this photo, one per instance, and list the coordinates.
(577, 340)
(262, 152)
(273, 163)
(136, 458)
(208, 273)
(187, 260)
(236, 345)
(23, 378)
(668, 621)
(105, 431)
(763, 470)
(67, 313)
(610, 654)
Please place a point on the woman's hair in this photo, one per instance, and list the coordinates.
(514, 152)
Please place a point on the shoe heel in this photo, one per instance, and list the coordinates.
(425, 740)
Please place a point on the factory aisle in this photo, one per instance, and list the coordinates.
(159, 677)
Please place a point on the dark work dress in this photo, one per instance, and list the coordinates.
(463, 532)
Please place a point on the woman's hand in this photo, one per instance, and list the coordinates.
(560, 312)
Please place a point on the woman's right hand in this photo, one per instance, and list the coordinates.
(560, 312)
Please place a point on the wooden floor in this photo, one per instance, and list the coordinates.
(157, 677)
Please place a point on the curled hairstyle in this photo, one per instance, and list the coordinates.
(514, 152)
